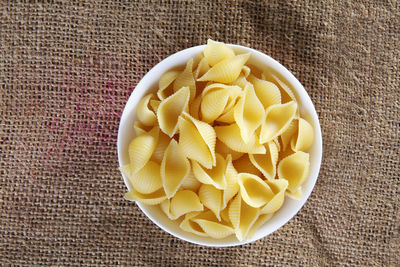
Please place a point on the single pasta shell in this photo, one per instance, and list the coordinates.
(254, 191)
(231, 137)
(185, 201)
(148, 199)
(144, 113)
(294, 168)
(215, 52)
(304, 138)
(214, 176)
(227, 70)
(278, 186)
(277, 120)
(165, 81)
(248, 113)
(174, 168)
(147, 180)
(266, 163)
(197, 140)
(186, 79)
(211, 197)
(267, 92)
(170, 109)
(140, 150)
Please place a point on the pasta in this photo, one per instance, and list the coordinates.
(277, 120)
(248, 113)
(171, 108)
(219, 146)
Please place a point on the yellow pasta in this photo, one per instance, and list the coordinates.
(215, 52)
(287, 135)
(304, 138)
(164, 89)
(231, 137)
(144, 113)
(212, 226)
(267, 92)
(139, 128)
(170, 109)
(214, 176)
(219, 146)
(242, 216)
(232, 186)
(286, 93)
(278, 187)
(191, 182)
(227, 70)
(248, 113)
(211, 197)
(140, 150)
(266, 163)
(255, 192)
(217, 99)
(202, 68)
(186, 79)
(197, 140)
(183, 202)
(146, 180)
(224, 150)
(277, 120)
(174, 168)
(294, 169)
(148, 199)
(244, 164)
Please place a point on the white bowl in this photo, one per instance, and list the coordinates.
(290, 207)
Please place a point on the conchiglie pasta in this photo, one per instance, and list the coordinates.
(186, 79)
(197, 140)
(267, 92)
(277, 120)
(146, 180)
(231, 137)
(248, 113)
(294, 169)
(254, 191)
(211, 197)
(148, 199)
(220, 145)
(170, 109)
(224, 150)
(174, 168)
(214, 176)
(215, 52)
(140, 150)
(304, 138)
(232, 186)
(227, 70)
(266, 163)
(244, 164)
(212, 226)
(242, 216)
(164, 89)
(144, 113)
(191, 182)
(183, 202)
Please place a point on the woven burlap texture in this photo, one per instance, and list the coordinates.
(68, 67)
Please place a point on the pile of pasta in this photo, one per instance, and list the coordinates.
(219, 145)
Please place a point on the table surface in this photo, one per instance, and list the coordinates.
(67, 69)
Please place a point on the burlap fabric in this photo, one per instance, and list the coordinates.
(68, 67)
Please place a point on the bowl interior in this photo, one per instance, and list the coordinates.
(290, 207)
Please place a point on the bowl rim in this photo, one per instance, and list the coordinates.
(295, 84)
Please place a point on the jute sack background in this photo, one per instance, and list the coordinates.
(68, 67)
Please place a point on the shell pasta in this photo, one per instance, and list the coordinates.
(219, 146)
